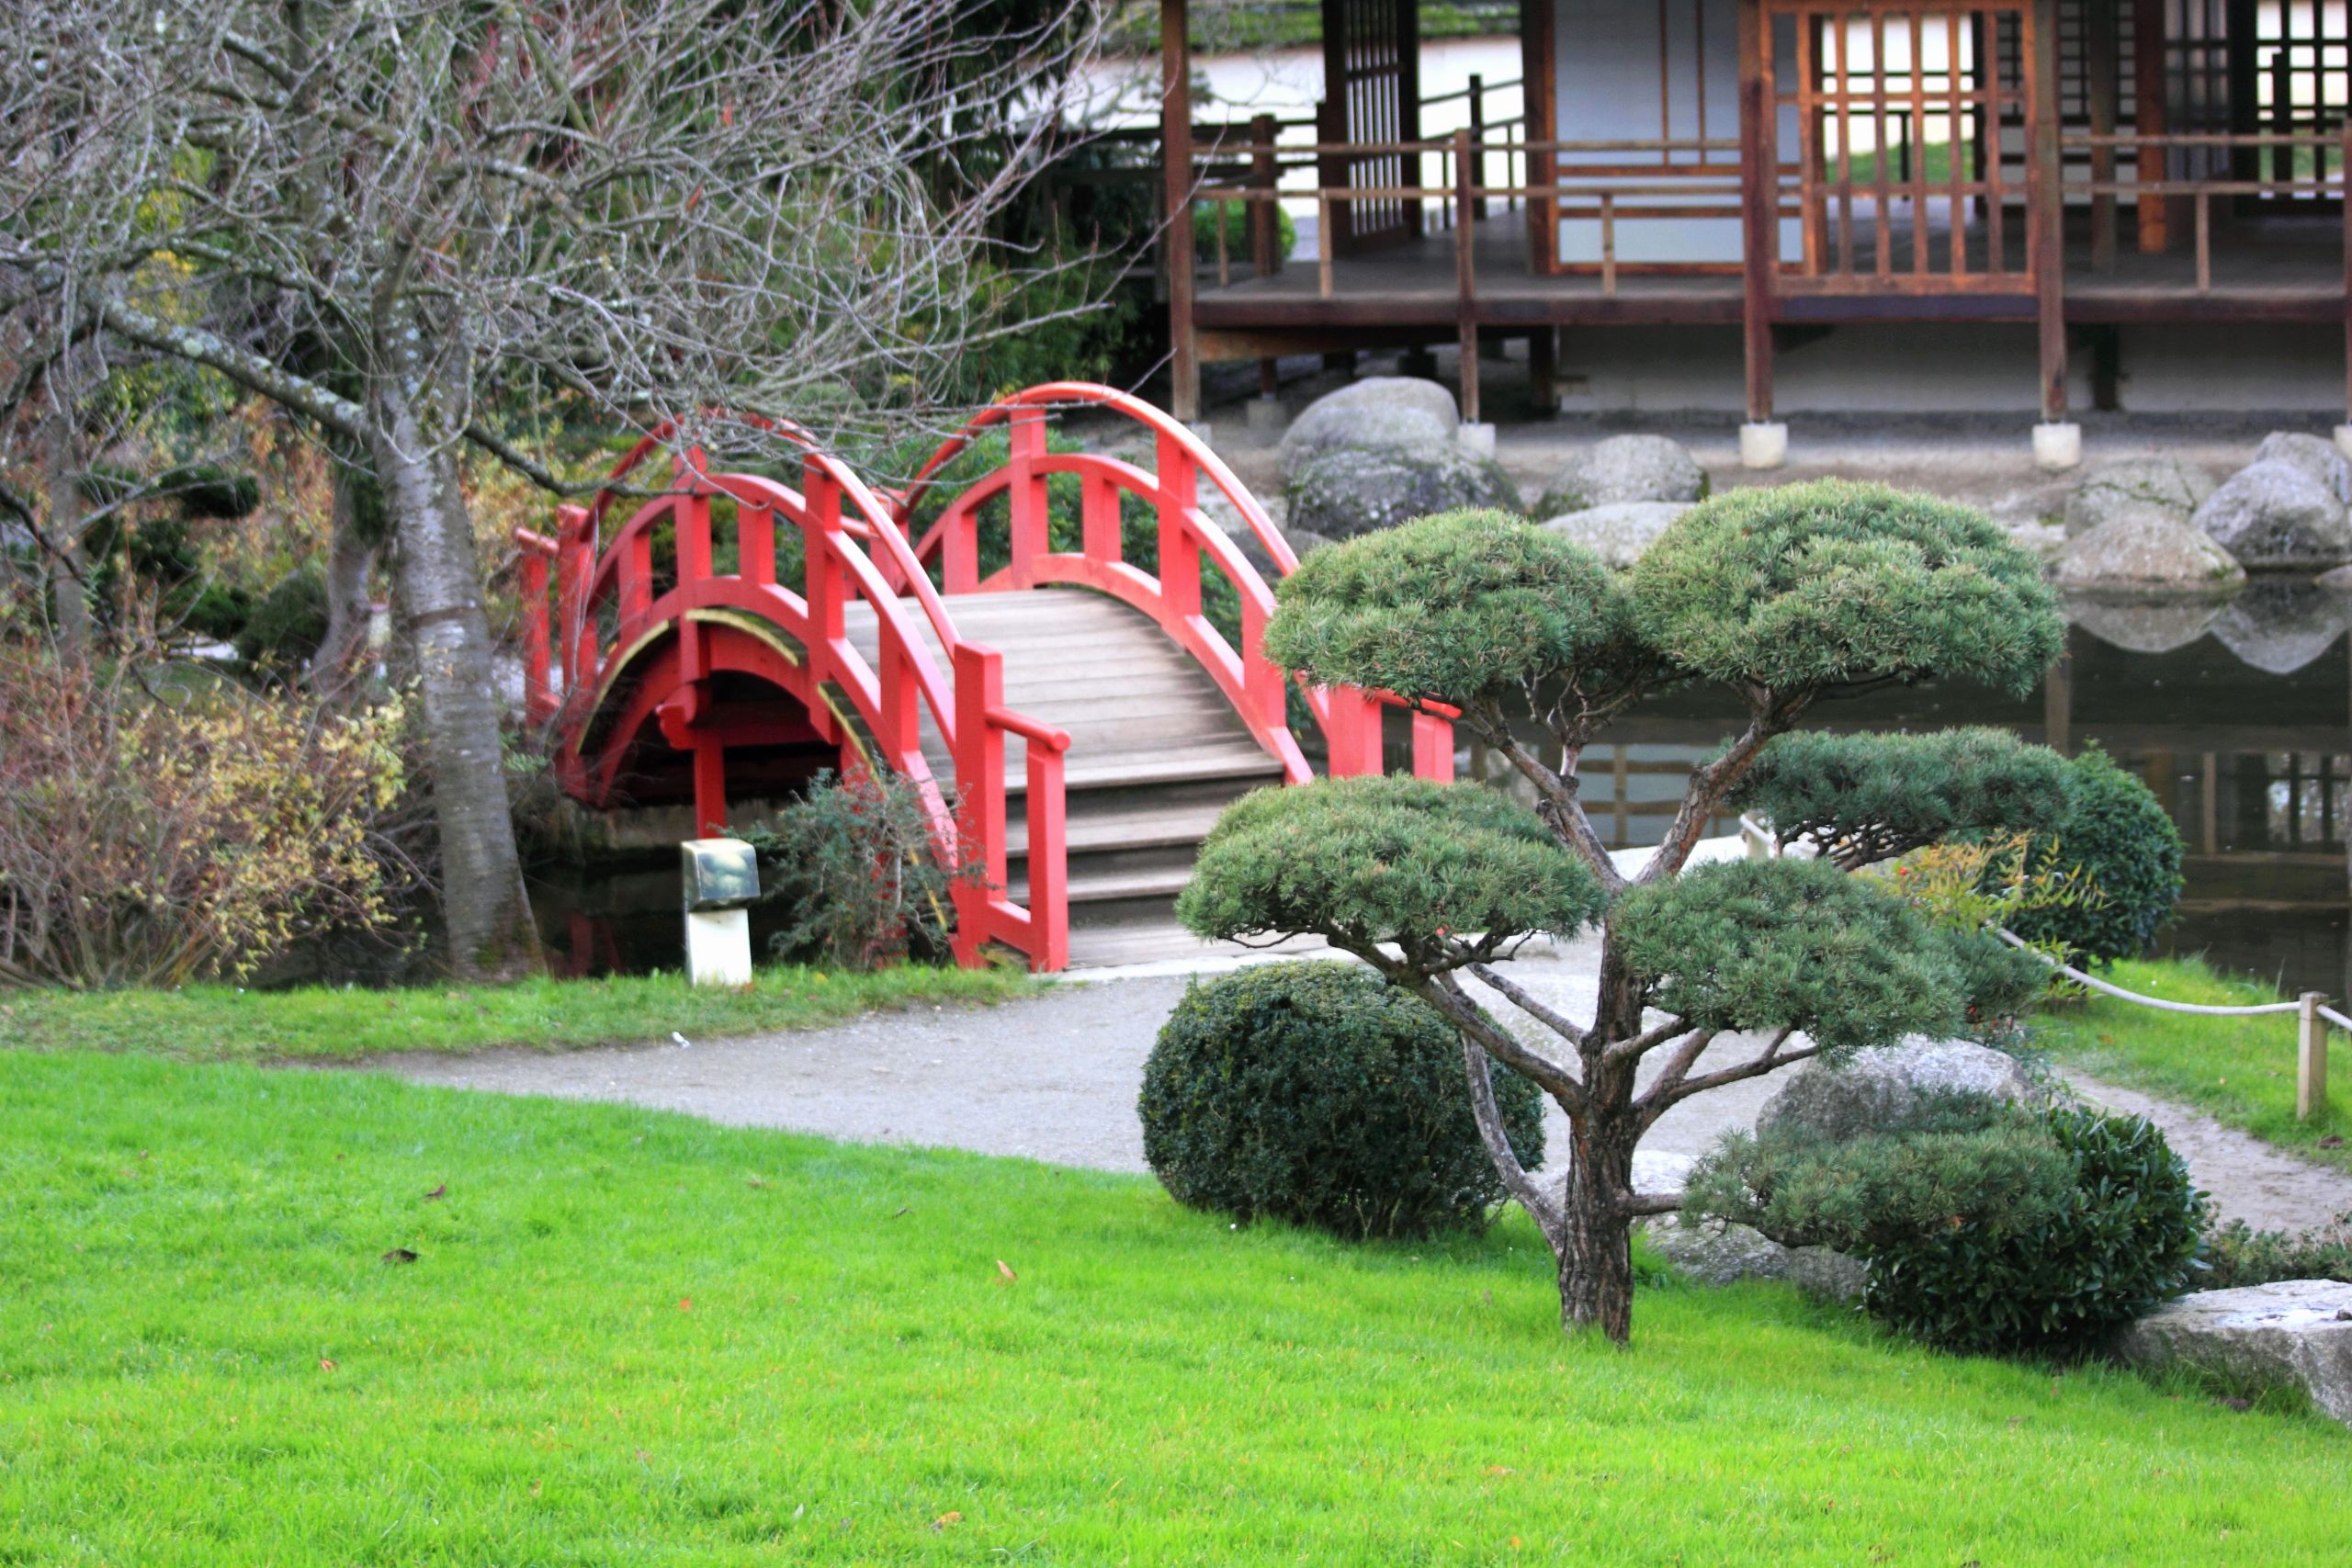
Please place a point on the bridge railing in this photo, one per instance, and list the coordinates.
(610, 609)
(1350, 719)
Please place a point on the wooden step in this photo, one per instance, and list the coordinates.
(1161, 882)
(1144, 825)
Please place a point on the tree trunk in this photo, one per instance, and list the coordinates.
(1595, 1245)
(351, 561)
(438, 586)
(62, 470)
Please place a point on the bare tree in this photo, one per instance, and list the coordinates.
(425, 224)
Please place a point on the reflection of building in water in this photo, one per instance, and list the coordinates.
(2254, 764)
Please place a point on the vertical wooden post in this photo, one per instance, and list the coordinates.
(2311, 1059)
(2344, 182)
(1466, 276)
(1544, 368)
(2148, 54)
(1265, 255)
(1760, 215)
(2104, 69)
(1538, 69)
(2047, 215)
(1478, 136)
(1176, 163)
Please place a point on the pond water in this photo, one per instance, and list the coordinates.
(2241, 721)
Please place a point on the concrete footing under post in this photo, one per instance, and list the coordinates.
(2344, 439)
(2057, 447)
(1265, 416)
(1763, 446)
(1478, 438)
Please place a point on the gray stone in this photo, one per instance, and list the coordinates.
(1876, 1088)
(1624, 468)
(2275, 515)
(2337, 582)
(1350, 490)
(2137, 487)
(2292, 1333)
(2315, 455)
(2278, 626)
(2143, 625)
(1620, 532)
(1716, 1252)
(1379, 411)
(2147, 551)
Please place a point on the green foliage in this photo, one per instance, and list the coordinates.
(1787, 944)
(1450, 606)
(1316, 1093)
(2237, 1254)
(1234, 216)
(1999, 985)
(1986, 1228)
(2118, 833)
(1866, 796)
(1384, 859)
(288, 625)
(205, 491)
(1833, 584)
(854, 864)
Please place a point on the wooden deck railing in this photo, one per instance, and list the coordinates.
(2284, 179)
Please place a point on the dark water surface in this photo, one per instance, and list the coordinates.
(2240, 720)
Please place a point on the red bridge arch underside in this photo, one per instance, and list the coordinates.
(714, 664)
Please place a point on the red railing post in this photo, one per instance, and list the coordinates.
(1049, 860)
(1265, 688)
(538, 701)
(575, 563)
(1100, 520)
(1027, 494)
(979, 788)
(1178, 481)
(1432, 747)
(755, 544)
(822, 497)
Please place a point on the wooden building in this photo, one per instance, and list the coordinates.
(1783, 166)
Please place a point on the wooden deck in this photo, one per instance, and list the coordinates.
(2286, 270)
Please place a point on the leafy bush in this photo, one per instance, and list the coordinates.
(1315, 1092)
(288, 625)
(1965, 889)
(2121, 838)
(1234, 218)
(153, 832)
(858, 875)
(2237, 1254)
(1987, 1227)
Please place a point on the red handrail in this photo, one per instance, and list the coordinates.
(1349, 718)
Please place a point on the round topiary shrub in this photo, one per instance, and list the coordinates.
(288, 625)
(2118, 833)
(1314, 1092)
(1987, 1227)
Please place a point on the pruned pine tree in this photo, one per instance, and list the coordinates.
(1710, 973)
(424, 225)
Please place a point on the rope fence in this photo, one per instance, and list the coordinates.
(2313, 1016)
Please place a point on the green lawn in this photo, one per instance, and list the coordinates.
(633, 1338)
(2240, 1070)
(223, 1023)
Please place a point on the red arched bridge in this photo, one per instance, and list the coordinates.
(1075, 703)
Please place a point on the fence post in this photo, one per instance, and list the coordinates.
(1479, 138)
(2311, 1059)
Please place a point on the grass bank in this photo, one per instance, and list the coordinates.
(627, 1337)
(2239, 1070)
(223, 1023)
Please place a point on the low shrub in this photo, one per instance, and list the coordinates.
(1316, 1093)
(287, 626)
(857, 875)
(2237, 1254)
(156, 830)
(1987, 1226)
(2120, 835)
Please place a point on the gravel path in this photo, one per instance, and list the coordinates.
(1055, 1078)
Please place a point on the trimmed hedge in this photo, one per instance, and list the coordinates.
(1316, 1093)
(2119, 833)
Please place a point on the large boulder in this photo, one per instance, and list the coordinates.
(2147, 552)
(1379, 411)
(1620, 532)
(1878, 1088)
(1622, 468)
(1349, 491)
(2280, 625)
(2137, 487)
(2275, 515)
(1716, 1252)
(2292, 1333)
(2143, 625)
(2319, 458)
